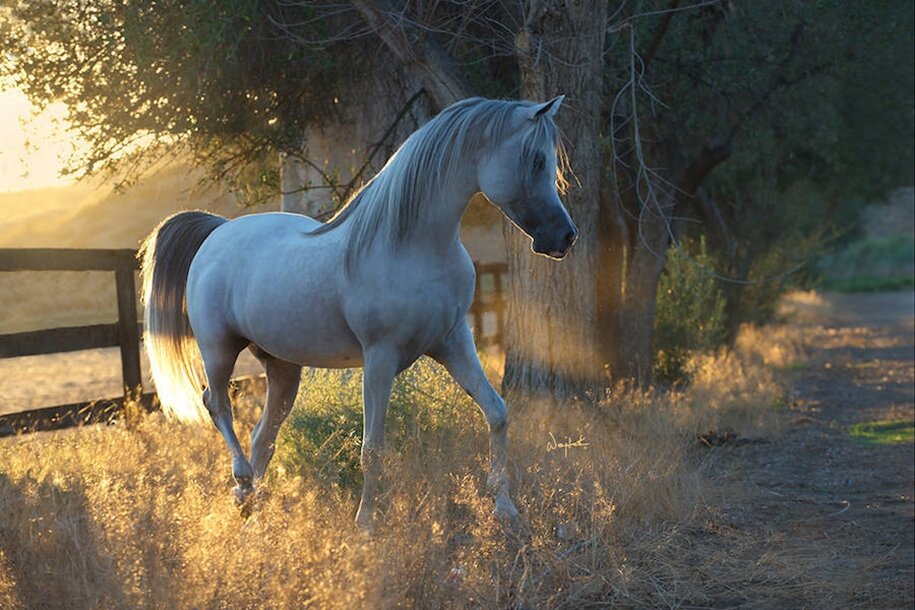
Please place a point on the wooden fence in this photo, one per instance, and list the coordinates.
(489, 305)
(125, 333)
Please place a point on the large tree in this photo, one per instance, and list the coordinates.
(552, 328)
(724, 118)
(723, 113)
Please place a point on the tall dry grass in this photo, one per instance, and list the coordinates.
(620, 505)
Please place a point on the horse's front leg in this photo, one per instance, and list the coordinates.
(380, 368)
(459, 355)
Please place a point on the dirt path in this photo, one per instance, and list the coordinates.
(838, 512)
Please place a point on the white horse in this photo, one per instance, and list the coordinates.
(386, 281)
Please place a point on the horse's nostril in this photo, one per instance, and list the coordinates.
(570, 236)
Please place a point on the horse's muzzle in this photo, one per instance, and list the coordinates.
(560, 247)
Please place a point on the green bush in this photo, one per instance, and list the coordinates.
(691, 312)
(779, 268)
(323, 434)
(867, 265)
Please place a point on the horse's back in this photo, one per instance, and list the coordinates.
(256, 244)
(276, 223)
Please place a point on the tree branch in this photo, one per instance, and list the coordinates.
(710, 211)
(712, 155)
(659, 33)
(428, 62)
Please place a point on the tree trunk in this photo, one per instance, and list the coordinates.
(611, 262)
(552, 322)
(640, 294)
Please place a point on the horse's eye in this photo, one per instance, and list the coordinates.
(539, 162)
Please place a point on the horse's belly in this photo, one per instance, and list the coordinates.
(276, 289)
(307, 331)
(331, 348)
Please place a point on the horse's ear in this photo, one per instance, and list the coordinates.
(547, 109)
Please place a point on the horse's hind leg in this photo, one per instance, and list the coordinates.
(282, 384)
(219, 361)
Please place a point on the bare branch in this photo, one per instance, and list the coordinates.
(627, 22)
(429, 63)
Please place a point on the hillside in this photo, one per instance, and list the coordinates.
(88, 216)
(94, 216)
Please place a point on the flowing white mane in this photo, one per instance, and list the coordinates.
(392, 203)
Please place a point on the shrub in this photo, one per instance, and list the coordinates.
(691, 312)
(323, 435)
(884, 263)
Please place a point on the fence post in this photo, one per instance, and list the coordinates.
(499, 307)
(128, 330)
(476, 308)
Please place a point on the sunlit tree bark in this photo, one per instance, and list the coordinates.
(552, 324)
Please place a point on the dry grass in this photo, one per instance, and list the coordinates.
(621, 506)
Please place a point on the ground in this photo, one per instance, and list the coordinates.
(817, 490)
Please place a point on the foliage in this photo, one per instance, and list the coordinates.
(780, 91)
(868, 265)
(323, 435)
(147, 81)
(887, 432)
(817, 92)
(691, 316)
(869, 283)
(787, 264)
(226, 84)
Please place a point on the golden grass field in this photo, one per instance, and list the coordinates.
(141, 516)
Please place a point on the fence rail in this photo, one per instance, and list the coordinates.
(68, 339)
(66, 259)
(126, 332)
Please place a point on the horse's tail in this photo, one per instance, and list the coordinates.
(174, 357)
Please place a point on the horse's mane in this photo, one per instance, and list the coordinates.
(392, 201)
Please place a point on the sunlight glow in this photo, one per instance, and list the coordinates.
(34, 145)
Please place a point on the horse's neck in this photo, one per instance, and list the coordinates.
(441, 218)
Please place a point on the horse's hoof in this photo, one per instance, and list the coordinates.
(366, 526)
(242, 494)
(510, 520)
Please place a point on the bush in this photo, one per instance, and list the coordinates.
(691, 313)
(323, 435)
(884, 263)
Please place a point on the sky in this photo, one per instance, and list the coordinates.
(33, 148)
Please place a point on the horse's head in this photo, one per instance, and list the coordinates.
(519, 175)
